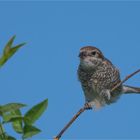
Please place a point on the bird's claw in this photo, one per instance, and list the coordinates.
(87, 106)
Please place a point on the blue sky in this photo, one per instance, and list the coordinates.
(46, 67)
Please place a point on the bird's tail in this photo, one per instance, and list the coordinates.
(129, 89)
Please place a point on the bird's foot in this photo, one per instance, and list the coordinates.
(87, 106)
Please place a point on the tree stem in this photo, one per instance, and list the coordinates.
(2, 133)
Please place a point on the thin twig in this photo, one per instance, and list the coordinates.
(125, 79)
(83, 108)
(69, 123)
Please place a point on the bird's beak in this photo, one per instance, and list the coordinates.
(82, 55)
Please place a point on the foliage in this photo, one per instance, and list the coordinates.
(22, 124)
(9, 50)
(11, 113)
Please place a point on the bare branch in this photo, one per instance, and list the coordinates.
(69, 123)
(83, 108)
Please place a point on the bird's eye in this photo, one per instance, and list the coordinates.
(93, 53)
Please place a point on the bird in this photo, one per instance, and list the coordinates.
(98, 76)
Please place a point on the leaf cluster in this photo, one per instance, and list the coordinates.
(22, 124)
(11, 113)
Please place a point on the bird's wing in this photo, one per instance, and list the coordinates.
(115, 78)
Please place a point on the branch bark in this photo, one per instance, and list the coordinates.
(83, 108)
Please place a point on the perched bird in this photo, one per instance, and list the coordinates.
(98, 76)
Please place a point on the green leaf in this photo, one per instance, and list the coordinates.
(35, 112)
(1, 137)
(9, 50)
(17, 123)
(13, 50)
(3, 59)
(9, 45)
(0, 110)
(10, 138)
(16, 118)
(11, 107)
(30, 131)
(9, 54)
(7, 117)
(2, 133)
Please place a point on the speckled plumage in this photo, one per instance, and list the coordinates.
(98, 76)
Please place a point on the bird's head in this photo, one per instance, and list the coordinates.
(90, 57)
